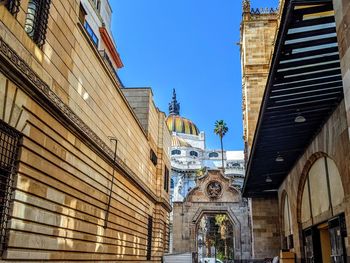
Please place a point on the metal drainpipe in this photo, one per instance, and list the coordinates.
(111, 189)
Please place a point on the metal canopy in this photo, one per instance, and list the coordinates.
(304, 87)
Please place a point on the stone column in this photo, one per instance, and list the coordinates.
(265, 227)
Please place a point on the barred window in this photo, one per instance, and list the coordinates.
(82, 14)
(153, 157)
(9, 149)
(36, 20)
(149, 237)
(166, 179)
(13, 6)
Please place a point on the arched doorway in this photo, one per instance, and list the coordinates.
(215, 237)
(320, 212)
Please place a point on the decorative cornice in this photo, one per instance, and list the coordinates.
(264, 11)
(20, 71)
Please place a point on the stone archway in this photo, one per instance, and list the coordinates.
(320, 209)
(213, 210)
(213, 194)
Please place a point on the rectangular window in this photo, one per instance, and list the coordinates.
(153, 157)
(166, 179)
(82, 14)
(149, 237)
(91, 33)
(36, 20)
(9, 149)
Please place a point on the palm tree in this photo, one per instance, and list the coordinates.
(221, 129)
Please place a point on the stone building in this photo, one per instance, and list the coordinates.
(298, 170)
(190, 161)
(213, 195)
(84, 162)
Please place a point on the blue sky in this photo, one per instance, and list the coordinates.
(189, 45)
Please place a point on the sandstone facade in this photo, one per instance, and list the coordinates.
(187, 215)
(257, 42)
(316, 190)
(73, 199)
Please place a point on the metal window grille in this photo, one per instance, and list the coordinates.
(166, 179)
(153, 157)
(9, 149)
(13, 6)
(149, 237)
(36, 20)
(82, 14)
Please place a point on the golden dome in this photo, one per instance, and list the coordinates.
(176, 141)
(176, 123)
(179, 124)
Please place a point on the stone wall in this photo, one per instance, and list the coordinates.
(265, 227)
(66, 103)
(342, 17)
(332, 141)
(139, 100)
(257, 42)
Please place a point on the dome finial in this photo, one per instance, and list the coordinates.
(174, 106)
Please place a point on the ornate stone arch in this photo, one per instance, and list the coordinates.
(217, 210)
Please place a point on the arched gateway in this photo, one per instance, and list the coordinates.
(213, 220)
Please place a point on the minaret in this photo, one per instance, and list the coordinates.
(174, 106)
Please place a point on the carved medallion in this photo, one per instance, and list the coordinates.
(214, 189)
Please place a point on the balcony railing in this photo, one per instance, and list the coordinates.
(110, 66)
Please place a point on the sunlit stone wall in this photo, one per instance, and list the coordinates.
(66, 102)
(257, 42)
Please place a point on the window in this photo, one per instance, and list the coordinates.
(13, 6)
(166, 179)
(175, 152)
(36, 20)
(213, 155)
(82, 14)
(153, 157)
(193, 153)
(91, 34)
(172, 184)
(96, 4)
(149, 237)
(9, 149)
